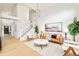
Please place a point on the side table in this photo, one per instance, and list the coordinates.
(68, 50)
(31, 37)
(70, 46)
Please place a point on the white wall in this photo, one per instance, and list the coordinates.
(30, 5)
(6, 22)
(7, 10)
(12, 27)
(22, 24)
(22, 11)
(18, 28)
(63, 14)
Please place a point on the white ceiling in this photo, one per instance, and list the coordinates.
(45, 8)
(51, 8)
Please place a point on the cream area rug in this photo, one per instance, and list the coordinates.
(52, 49)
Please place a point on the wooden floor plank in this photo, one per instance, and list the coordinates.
(13, 47)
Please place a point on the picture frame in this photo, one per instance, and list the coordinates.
(54, 27)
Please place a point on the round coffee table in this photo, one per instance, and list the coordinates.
(41, 42)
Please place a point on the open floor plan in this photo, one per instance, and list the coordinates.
(39, 29)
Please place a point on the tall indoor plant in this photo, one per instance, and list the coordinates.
(36, 30)
(74, 28)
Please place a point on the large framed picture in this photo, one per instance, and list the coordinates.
(54, 27)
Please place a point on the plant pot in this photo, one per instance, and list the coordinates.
(36, 35)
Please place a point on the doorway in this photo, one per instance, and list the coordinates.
(6, 29)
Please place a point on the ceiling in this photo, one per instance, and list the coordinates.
(45, 8)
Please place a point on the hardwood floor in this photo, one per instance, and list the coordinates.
(13, 47)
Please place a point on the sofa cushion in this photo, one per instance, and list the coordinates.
(54, 40)
(54, 36)
(58, 36)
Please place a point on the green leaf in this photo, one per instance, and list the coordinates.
(74, 27)
(36, 29)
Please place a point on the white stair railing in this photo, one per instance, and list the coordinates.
(25, 29)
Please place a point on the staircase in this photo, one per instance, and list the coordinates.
(25, 29)
(25, 32)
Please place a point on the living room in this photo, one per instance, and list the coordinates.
(55, 19)
(43, 27)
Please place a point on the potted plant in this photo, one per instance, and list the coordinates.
(36, 30)
(74, 28)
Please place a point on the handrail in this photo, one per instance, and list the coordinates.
(25, 32)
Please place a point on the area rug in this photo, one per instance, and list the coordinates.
(52, 49)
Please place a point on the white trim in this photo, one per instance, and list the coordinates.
(9, 17)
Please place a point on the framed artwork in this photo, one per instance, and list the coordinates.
(53, 27)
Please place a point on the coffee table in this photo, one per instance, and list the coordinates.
(41, 42)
